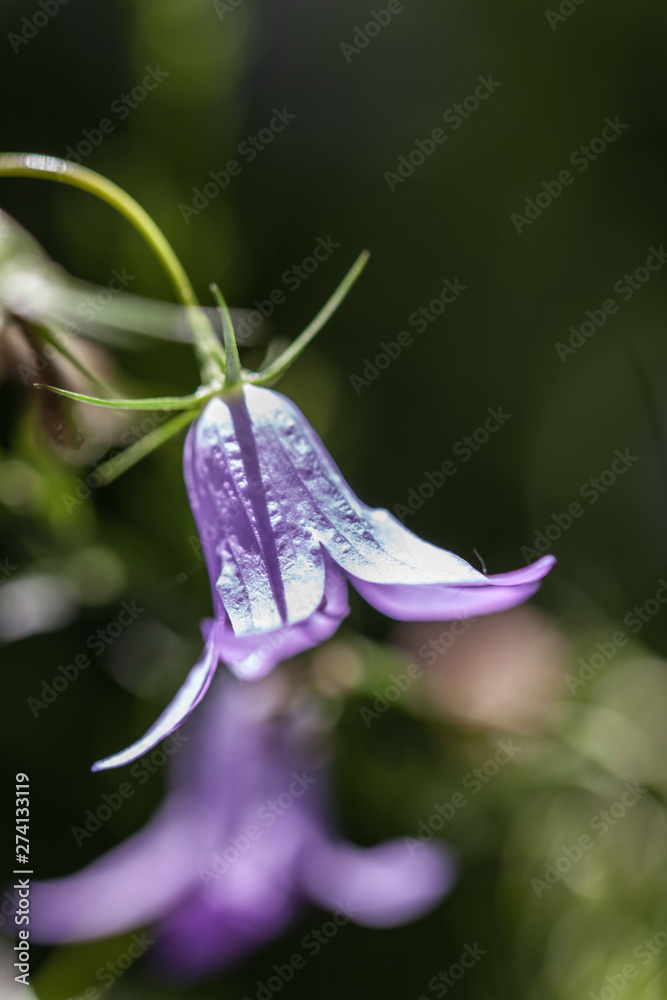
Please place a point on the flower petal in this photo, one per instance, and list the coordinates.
(241, 907)
(267, 569)
(188, 697)
(384, 885)
(133, 884)
(368, 543)
(200, 938)
(269, 502)
(442, 602)
(251, 657)
(268, 499)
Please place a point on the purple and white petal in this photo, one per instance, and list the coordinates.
(445, 603)
(188, 697)
(269, 502)
(266, 567)
(251, 657)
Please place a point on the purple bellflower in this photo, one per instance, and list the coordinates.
(241, 843)
(283, 534)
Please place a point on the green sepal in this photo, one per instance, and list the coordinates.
(232, 360)
(282, 363)
(116, 466)
(197, 399)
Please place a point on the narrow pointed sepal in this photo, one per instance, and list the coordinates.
(155, 403)
(278, 367)
(190, 694)
(232, 360)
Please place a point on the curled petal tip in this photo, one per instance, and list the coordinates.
(188, 697)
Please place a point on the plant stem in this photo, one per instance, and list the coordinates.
(52, 168)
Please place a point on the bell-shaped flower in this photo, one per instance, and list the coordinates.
(242, 842)
(283, 534)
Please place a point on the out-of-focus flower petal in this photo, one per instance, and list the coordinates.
(385, 885)
(133, 884)
(253, 900)
(201, 938)
(188, 697)
(243, 842)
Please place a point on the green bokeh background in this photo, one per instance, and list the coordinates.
(324, 176)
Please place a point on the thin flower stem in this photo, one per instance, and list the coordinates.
(116, 466)
(194, 401)
(52, 168)
(281, 364)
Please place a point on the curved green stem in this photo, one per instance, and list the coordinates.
(55, 169)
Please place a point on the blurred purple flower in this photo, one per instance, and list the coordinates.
(282, 533)
(242, 841)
